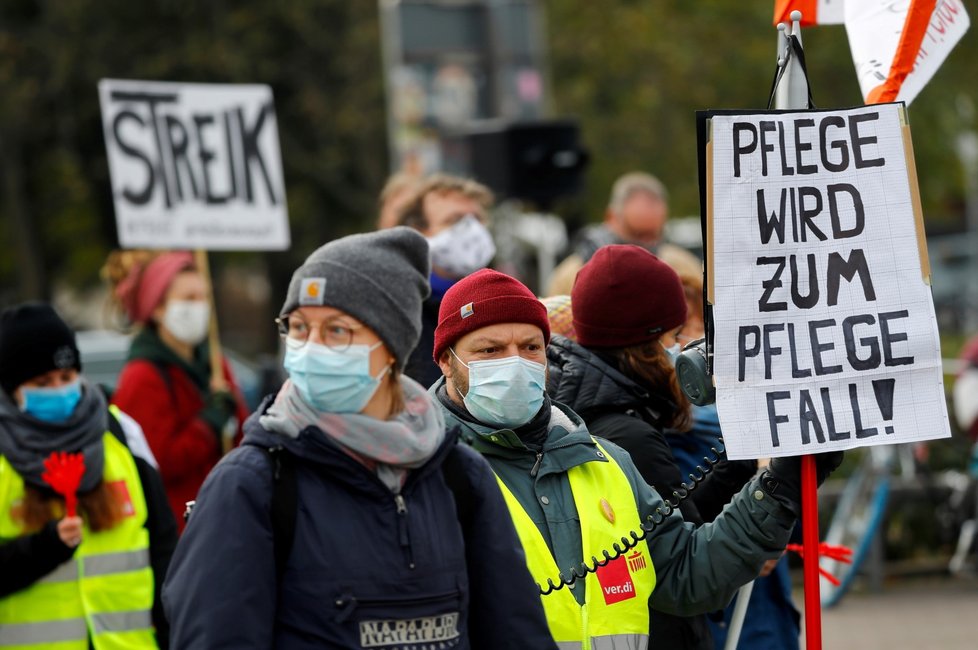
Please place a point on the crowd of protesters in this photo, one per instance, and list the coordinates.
(452, 462)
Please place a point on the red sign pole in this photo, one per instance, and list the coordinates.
(809, 529)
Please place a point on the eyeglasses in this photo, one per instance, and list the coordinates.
(332, 333)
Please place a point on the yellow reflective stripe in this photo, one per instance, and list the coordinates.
(71, 629)
(121, 621)
(620, 642)
(121, 562)
(569, 645)
(66, 572)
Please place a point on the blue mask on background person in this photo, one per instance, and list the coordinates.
(332, 381)
(52, 404)
(672, 351)
(505, 392)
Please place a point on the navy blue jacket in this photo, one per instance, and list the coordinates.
(363, 572)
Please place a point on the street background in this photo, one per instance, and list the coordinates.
(920, 613)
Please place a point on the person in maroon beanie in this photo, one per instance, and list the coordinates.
(619, 377)
(574, 497)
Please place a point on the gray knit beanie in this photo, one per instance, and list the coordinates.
(379, 278)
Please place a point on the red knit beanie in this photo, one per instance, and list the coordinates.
(145, 287)
(485, 298)
(626, 295)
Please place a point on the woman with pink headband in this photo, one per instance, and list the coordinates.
(166, 384)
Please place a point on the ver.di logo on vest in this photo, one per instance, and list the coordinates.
(636, 562)
(616, 582)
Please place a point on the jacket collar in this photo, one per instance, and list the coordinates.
(589, 384)
(148, 345)
(334, 461)
(567, 445)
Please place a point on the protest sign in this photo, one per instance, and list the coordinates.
(824, 330)
(194, 165)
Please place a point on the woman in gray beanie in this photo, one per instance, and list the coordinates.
(350, 518)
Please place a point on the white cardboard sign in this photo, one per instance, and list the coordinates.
(194, 165)
(825, 332)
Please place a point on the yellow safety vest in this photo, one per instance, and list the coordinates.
(615, 614)
(105, 592)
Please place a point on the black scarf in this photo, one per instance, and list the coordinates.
(26, 441)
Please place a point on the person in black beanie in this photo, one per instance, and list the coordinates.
(46, 406)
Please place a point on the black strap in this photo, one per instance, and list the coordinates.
(285, 499)
(794, 49)
(461, 487)
(285, 503)
(115, 428)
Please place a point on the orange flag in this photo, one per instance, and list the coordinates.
(813, 12)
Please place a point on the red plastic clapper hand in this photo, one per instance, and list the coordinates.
(64, 474)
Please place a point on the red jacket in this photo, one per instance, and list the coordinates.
(185, 445)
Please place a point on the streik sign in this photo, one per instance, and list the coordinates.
(194, 165)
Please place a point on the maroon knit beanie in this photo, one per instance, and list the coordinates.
(485, 298)
(625, 295)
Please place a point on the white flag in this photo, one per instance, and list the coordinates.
(898, 46)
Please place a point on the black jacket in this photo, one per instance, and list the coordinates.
(362, 559)
(420, 366)
(618, 409)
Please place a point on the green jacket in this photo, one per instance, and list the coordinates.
(698, 570)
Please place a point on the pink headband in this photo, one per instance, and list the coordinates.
(144, 287)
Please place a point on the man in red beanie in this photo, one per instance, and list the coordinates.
(573, 498)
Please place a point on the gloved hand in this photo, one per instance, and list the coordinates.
(782, 478)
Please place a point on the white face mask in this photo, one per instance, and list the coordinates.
(187, 320)
(462, 249)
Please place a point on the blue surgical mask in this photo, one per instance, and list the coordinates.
(52, 404)
(331, 381)
(672, 351)
(504, 392)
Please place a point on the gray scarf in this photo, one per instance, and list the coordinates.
(26, 441)
(404, 442)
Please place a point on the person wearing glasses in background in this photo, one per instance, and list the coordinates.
(400, 536)
(451, 212)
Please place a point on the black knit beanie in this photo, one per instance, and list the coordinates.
(34, 340)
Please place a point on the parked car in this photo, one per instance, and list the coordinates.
(104, 352)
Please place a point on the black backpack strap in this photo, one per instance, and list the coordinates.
(115, 428)
(461, 487)
(285, 504)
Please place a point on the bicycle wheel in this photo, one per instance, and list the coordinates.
(855, 522)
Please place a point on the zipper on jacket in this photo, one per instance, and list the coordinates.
(349, 603)
(402, 528)
(536, 466)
